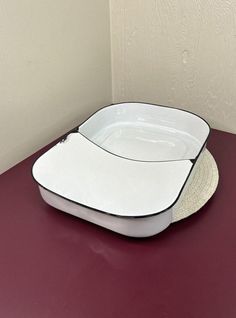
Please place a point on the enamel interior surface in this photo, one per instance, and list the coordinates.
(146, 132)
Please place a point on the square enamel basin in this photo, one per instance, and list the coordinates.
(125, 167)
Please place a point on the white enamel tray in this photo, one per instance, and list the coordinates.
(125, 167)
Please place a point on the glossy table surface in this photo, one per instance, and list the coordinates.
(55, 265)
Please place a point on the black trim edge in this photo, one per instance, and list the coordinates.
(76, 129)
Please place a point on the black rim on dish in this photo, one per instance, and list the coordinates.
(76, 130)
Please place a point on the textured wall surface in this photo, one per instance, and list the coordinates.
(54, 70)
(55, 63)
(179, 53)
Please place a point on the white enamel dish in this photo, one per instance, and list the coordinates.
(125, 168)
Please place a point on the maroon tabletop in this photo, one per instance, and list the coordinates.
(56, 265)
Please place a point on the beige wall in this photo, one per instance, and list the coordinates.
(54, 70)
(179, 52)
(55, 63)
